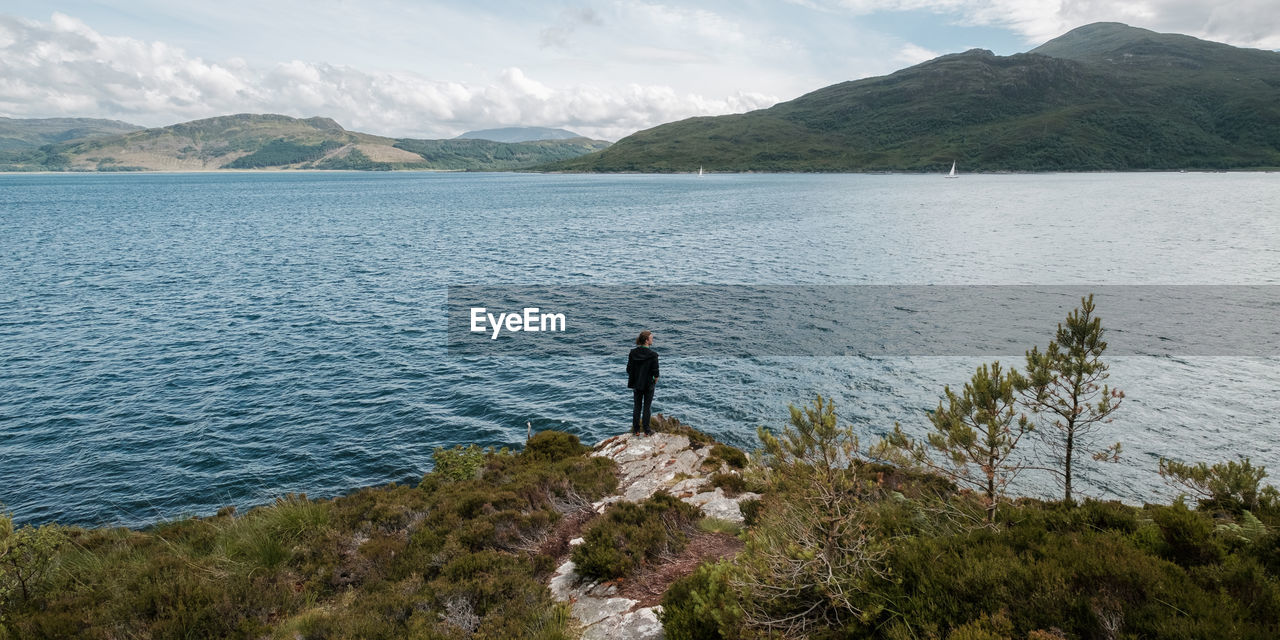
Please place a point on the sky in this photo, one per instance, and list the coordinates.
(602, 68)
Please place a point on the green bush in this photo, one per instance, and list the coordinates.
(750, 511)
(1188, 536)
(459, 463)
(1110, 515)
(26, 555)
(553, 446)
(731, 456)
(702, 606)
(630, 534)
(732, 483)
(1230, 486)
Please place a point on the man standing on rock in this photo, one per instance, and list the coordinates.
(642, 377)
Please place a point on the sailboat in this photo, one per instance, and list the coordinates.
(699, 170)
(953, 170)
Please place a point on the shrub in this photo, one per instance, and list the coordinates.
(750, 511)
(26, 555)
(731, 456)
(1188, 536)
(445, 559)
(553, 446)
(1230, 486)
(459, 463)
(1112, 515)
(1082, 582)
(1266, 550)
(702, 605)
(732, 483)
(630, 534)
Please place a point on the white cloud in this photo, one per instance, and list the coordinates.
(64, 67)
(1246, 23)
(915, 54)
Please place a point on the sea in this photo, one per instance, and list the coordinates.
(174, 343)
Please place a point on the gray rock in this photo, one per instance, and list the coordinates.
(591, 611)
(641, 624)
(563, 581)
(716, 504)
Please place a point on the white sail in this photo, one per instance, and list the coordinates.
(953, 170)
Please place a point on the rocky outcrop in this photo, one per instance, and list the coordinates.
(667, 461)
(645, 466)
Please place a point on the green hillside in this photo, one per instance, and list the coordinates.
(519, 134)
(1102, 97)
(22, 134)
(462, 154)
(258, 141)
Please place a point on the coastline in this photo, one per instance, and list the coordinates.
(534, 171)
(621, 541)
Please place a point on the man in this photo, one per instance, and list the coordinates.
(642, 377)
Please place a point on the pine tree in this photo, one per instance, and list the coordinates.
(1065, 387)
(975, 432)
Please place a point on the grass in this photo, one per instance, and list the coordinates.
(719, 525)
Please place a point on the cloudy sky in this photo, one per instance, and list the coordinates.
(604, 68)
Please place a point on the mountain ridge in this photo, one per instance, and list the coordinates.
(277, 142)
(1112, 98)
(519, 134)
(21, 134)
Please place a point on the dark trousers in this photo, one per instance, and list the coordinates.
(643, 400)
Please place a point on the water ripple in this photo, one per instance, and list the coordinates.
(173, 343)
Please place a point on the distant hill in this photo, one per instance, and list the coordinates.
(519, 134)
(258, 141)
(21, 134)
(1104, 96)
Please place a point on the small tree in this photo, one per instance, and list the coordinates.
(975, 432)
(1065, 384)
(812, 553)
(1232, 486)
(815, 450)
(25, 557)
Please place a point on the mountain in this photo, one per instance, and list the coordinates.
(518, 134)
(266, 141)
(1105, 96)
(22, 134)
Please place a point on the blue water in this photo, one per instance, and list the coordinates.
(173, 343)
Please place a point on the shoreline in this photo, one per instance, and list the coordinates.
(532, 171)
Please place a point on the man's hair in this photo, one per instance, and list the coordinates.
(644, 337)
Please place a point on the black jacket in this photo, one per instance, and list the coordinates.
(642, 368)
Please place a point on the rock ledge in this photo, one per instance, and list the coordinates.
(645, 466)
